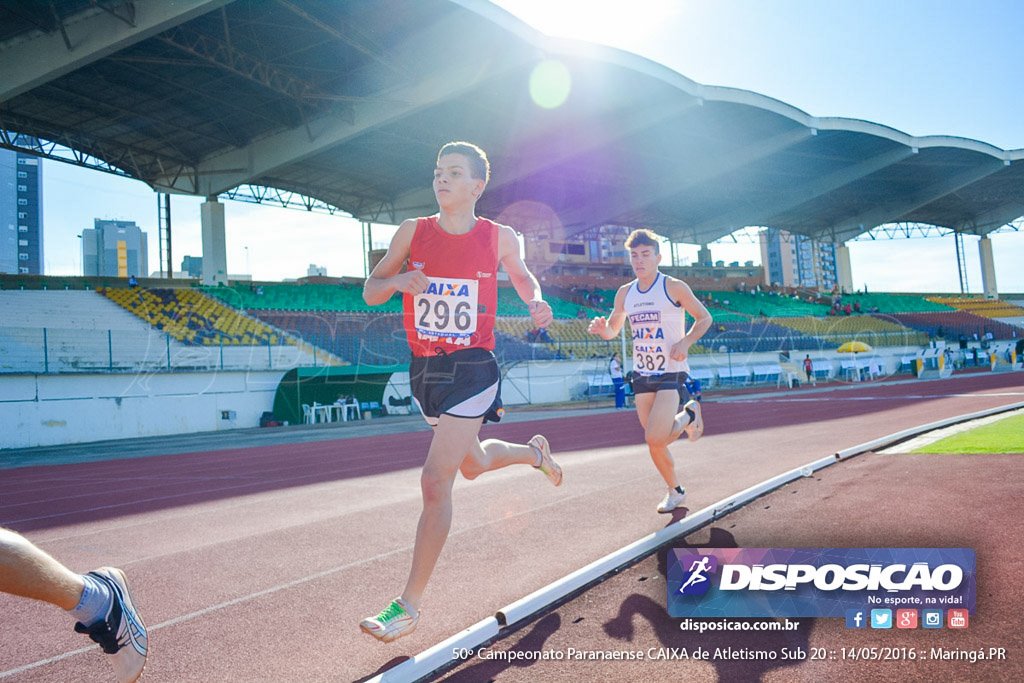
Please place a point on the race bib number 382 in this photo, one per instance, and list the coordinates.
(447, 308)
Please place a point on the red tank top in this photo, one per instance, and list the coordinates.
(457, 310)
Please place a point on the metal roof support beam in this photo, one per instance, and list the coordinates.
(556, 152)
(359, 41)
(221, 54)
(92, 152)
(790, 199)
(896, 212)
(44, 58)
(37, 14)
(122, 9)
(995, 218)
(613, 207)
(247, 165)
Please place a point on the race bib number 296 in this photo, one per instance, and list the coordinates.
(447, 308)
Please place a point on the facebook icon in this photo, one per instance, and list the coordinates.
(856, 618)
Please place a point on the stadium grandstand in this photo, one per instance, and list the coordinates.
(331, 325)
(986, 308)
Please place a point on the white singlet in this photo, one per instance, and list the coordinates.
(657, 323)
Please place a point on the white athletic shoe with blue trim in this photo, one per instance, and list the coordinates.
(122, 633)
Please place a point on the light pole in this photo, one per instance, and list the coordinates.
(247, 271)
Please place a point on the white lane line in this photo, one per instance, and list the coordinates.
(214, 509)
(313, 577)
(830, 399)
(433, 659)
(44, 662)
(248, 479)
(265, 496)
(250, 484)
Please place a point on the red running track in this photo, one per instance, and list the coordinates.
(256, 564)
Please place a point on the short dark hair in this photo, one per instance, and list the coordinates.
(479, 166)
(643, 237)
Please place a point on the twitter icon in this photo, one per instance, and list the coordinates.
(881, 618)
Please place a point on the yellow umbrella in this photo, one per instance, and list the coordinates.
(854, 347)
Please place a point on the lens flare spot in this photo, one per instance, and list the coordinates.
(550, 83)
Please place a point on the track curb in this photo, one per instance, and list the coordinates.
(516, 614)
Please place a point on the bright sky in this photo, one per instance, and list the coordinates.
(925, 67)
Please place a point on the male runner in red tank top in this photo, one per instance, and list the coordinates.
(450, 300)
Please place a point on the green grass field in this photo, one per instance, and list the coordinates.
(1004, 436)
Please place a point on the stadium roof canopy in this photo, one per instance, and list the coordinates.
(347, 102)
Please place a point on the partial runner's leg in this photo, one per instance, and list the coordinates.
(29, 572)
(494, 454)
(453, 438)
(657, 412)
(657, 415)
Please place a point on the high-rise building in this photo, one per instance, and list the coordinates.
(21, 213)
(192, 266)
(114, 249)
(797, 261)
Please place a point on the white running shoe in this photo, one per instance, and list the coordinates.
(671, 501)
(547, 465)
(394, 621)
(695, 429)
(121, 634)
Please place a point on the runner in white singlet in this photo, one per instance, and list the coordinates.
(658, 324)
(656, 306)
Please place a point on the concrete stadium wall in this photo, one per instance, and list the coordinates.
(48, 410)
(561, 381)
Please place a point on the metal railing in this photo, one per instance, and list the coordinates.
(46, 350)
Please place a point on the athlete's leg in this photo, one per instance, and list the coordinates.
(643, 402)
(657, 412)
(494, 454)
(27, 571)
(453, 438)
(100, 601)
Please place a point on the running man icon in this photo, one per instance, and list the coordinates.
(697, 570)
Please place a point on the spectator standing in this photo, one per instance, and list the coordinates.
(809, 368)
(615, 370)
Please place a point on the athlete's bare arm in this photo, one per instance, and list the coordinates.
(681, 293)
(525, 283)
(386, 278)
(608, 328)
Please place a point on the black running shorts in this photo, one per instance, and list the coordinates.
(464, 383)
(673, 381)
